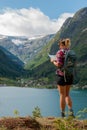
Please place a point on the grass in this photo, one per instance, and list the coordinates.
(42, 123)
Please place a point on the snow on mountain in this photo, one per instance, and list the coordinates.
(24, 47)
(18, 41)
(36, 37)
(3, 37)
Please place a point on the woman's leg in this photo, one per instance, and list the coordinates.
(69, 101)
(62, 92)
(68, 98)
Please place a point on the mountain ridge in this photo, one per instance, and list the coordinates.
(23, 47)
(10, 65)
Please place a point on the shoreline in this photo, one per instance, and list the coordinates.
(73, 88)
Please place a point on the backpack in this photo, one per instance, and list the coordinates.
(69, 64)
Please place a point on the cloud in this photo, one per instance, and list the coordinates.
(29, 22)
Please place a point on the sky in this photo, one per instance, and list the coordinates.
(36, 17)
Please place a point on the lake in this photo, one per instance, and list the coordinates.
(26, 99)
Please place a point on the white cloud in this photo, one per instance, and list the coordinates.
(29, 22)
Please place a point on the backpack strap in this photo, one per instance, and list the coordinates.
(66, 56)
(65, 61)
(64, 76)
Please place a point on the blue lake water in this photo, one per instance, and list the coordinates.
(26, 99)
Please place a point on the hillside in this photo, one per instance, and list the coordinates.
(23, 47)
(10, 65)
(74, 28)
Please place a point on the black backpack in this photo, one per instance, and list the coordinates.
(69, 67)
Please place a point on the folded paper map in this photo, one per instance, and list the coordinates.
(52, 57)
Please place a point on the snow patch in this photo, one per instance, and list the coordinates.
(18, 41)
(3, 37)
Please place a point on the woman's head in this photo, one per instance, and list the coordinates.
(65, 43)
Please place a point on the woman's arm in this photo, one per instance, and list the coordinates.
(59, 59)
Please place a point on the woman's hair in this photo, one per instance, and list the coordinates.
(66, 42)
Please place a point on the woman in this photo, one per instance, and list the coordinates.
(63, 86)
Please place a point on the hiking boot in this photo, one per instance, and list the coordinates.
(62, 114)
(71, 113)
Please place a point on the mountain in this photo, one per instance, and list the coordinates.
(74, 28)
(10, 65)
(23, 47)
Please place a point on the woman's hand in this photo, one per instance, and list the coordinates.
(51, 60)
(57, 64)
